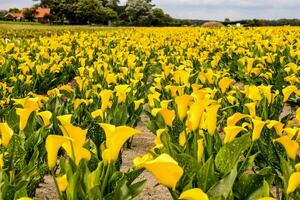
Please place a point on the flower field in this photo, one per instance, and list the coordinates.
(223, 105)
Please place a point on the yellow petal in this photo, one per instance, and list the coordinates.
(6, 133)
(251, 108)
(224, 83)
(200, 149)
(277, 125)
(139, 161)
(46, 116)
(291, 147)
(231, 132)
(258, 125)
(266, 90)
(297, 167)
(105, 99)
(193, 194)
(1, 161)
(77, 134)
(253, 93)
(158, 134)
(65, 119)
(165, 169)
(266, 198)
(298, 115)
(294, 182)
(24, 116)
(235, 118)
(62, 182)
(53, 144)
(183, 103)
(182, 138)
(97, 113)
(288, 91)
(168, 116)
(211, 119)
(195, 113)
(137, 103)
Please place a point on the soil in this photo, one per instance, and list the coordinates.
(140, 146)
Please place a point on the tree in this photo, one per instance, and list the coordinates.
(14, 10)
(2, 14)
(139, 12)
(29, 14)
(87, 10)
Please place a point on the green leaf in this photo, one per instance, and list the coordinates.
(229, 154)
(223, 188)
(206, 176)
(263, 191)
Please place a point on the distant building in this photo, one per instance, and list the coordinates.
(40, 15)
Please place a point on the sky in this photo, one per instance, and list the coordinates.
(211, 9)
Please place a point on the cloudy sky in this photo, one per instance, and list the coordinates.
(212, 9)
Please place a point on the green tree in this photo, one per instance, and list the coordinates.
(14, 10)
(2, 14)
(29, 13)
(139, 12)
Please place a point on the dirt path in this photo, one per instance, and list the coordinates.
(140, 146)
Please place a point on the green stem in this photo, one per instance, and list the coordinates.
(56, 185)
(104, 183)
(247, 156)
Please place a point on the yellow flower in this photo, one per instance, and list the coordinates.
(137, 103)
(224, 83)
(25, 198)
(297, 167)
(157, 140)
(6, 133)
(252, 92)
(64, 119)
(288, 91)
(277, 125)
(200, 149)
(97, 113)
(168, 116)
(195, 113)
(165, 169)
(139, 161)
(46, 116)
(183, 102)
(251, 108)
(291, 131)
(1, 161)
(231, 132)
(182, 138)
(121, 91)
(152, 97)
(258, 125)
(291, 147)
(294, 182)
(115, 139)
(105, 99)
(62, 182)
(181, 77)
(298, 115)
(266, 198)
(193, 194)
(235, 118)
(53, 144)
(211, 118)
(266, 91)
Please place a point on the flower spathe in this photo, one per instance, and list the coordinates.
(231, 132)
(294, 182)
(193, 194)
(115, 139)
(6, 133)
(258, 126)
(289, 145)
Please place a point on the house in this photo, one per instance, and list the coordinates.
(39, 16)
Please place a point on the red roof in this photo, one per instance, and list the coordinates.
(41, 12)
(13, 14)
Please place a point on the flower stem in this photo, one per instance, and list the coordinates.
(56, 185)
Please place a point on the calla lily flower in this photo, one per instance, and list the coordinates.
(291, 147)
(235, 118)
(98, 113)
(298, 115)
(200, 149)
(139, 161)
(253, 93)
(183, 103)
(121, 91)
(115, 139)
(291, 131)
(181, 77)
(224, 83)
(53, 144)
(288, 91)
(266, 91)
(165, 169)
(294, 182)
(6, 133)
(65, 119)
(46, 116)
(62, 182)
(105, 99)
(195, 114)
(251, 108)
(137, 103)
(182, 138)
(168, 116)
(231, 132)
(266, 198)
(193, 194)
(277, 125)
(211, 118)
(258, 125)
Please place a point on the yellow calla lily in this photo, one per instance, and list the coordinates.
(266, 198)
(165, 169)
(251, 108)
(139, 161)
(253, 93)
(231, 132)
(291, 147)
(266, 91)
(182, 138)
(297, 167)
(121, 91)
(6, 133)
(46, 116)
(298, 115)
(211, 118)
(294, 182)
(235, 118)
(137, 103)
(24, 115)
(200, 149)
(193, 194)
(224, 83)
(168, 116)
(115, 139)
(195, 114)
(98, 113)
(62, 182)
(1, 161)
(65, 119)
(183, 102)
(277, 125)
(25, 198)
(288, 91)
(258, 125)
(105, 96)
(157, 140)
(53, 144)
